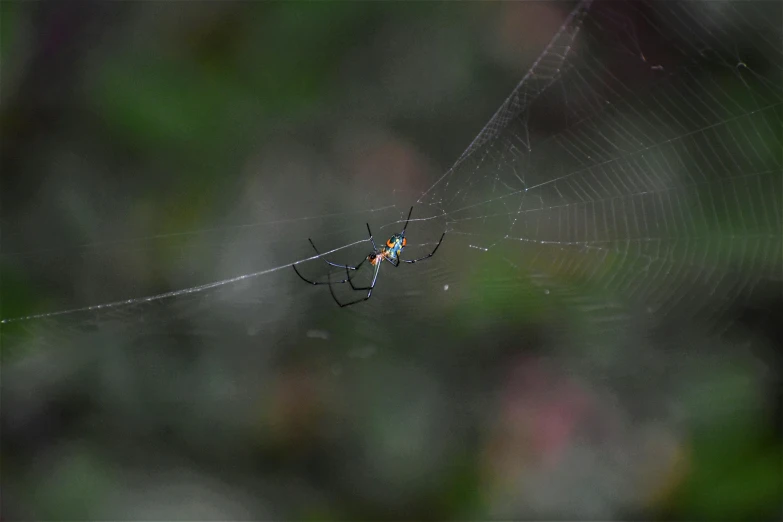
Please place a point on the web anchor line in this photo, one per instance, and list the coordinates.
(173, 293)
(512, 106)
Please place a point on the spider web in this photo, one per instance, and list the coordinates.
(639, 159)
(669, 197)
(631, 182)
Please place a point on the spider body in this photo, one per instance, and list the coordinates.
(391, 252)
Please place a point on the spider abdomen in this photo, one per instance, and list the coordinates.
(394, 245)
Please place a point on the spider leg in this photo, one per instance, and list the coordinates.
(351, 282)
(428, 255)
(392, 262)
(369, 288)
(348, 267)
(303, 278)
(406, 221)
(371, 239)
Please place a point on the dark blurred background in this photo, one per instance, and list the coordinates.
(150, 147)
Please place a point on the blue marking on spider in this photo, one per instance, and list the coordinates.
(390, 252)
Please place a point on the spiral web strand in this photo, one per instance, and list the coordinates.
(663, 196)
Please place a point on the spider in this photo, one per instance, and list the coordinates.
(389, 252)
